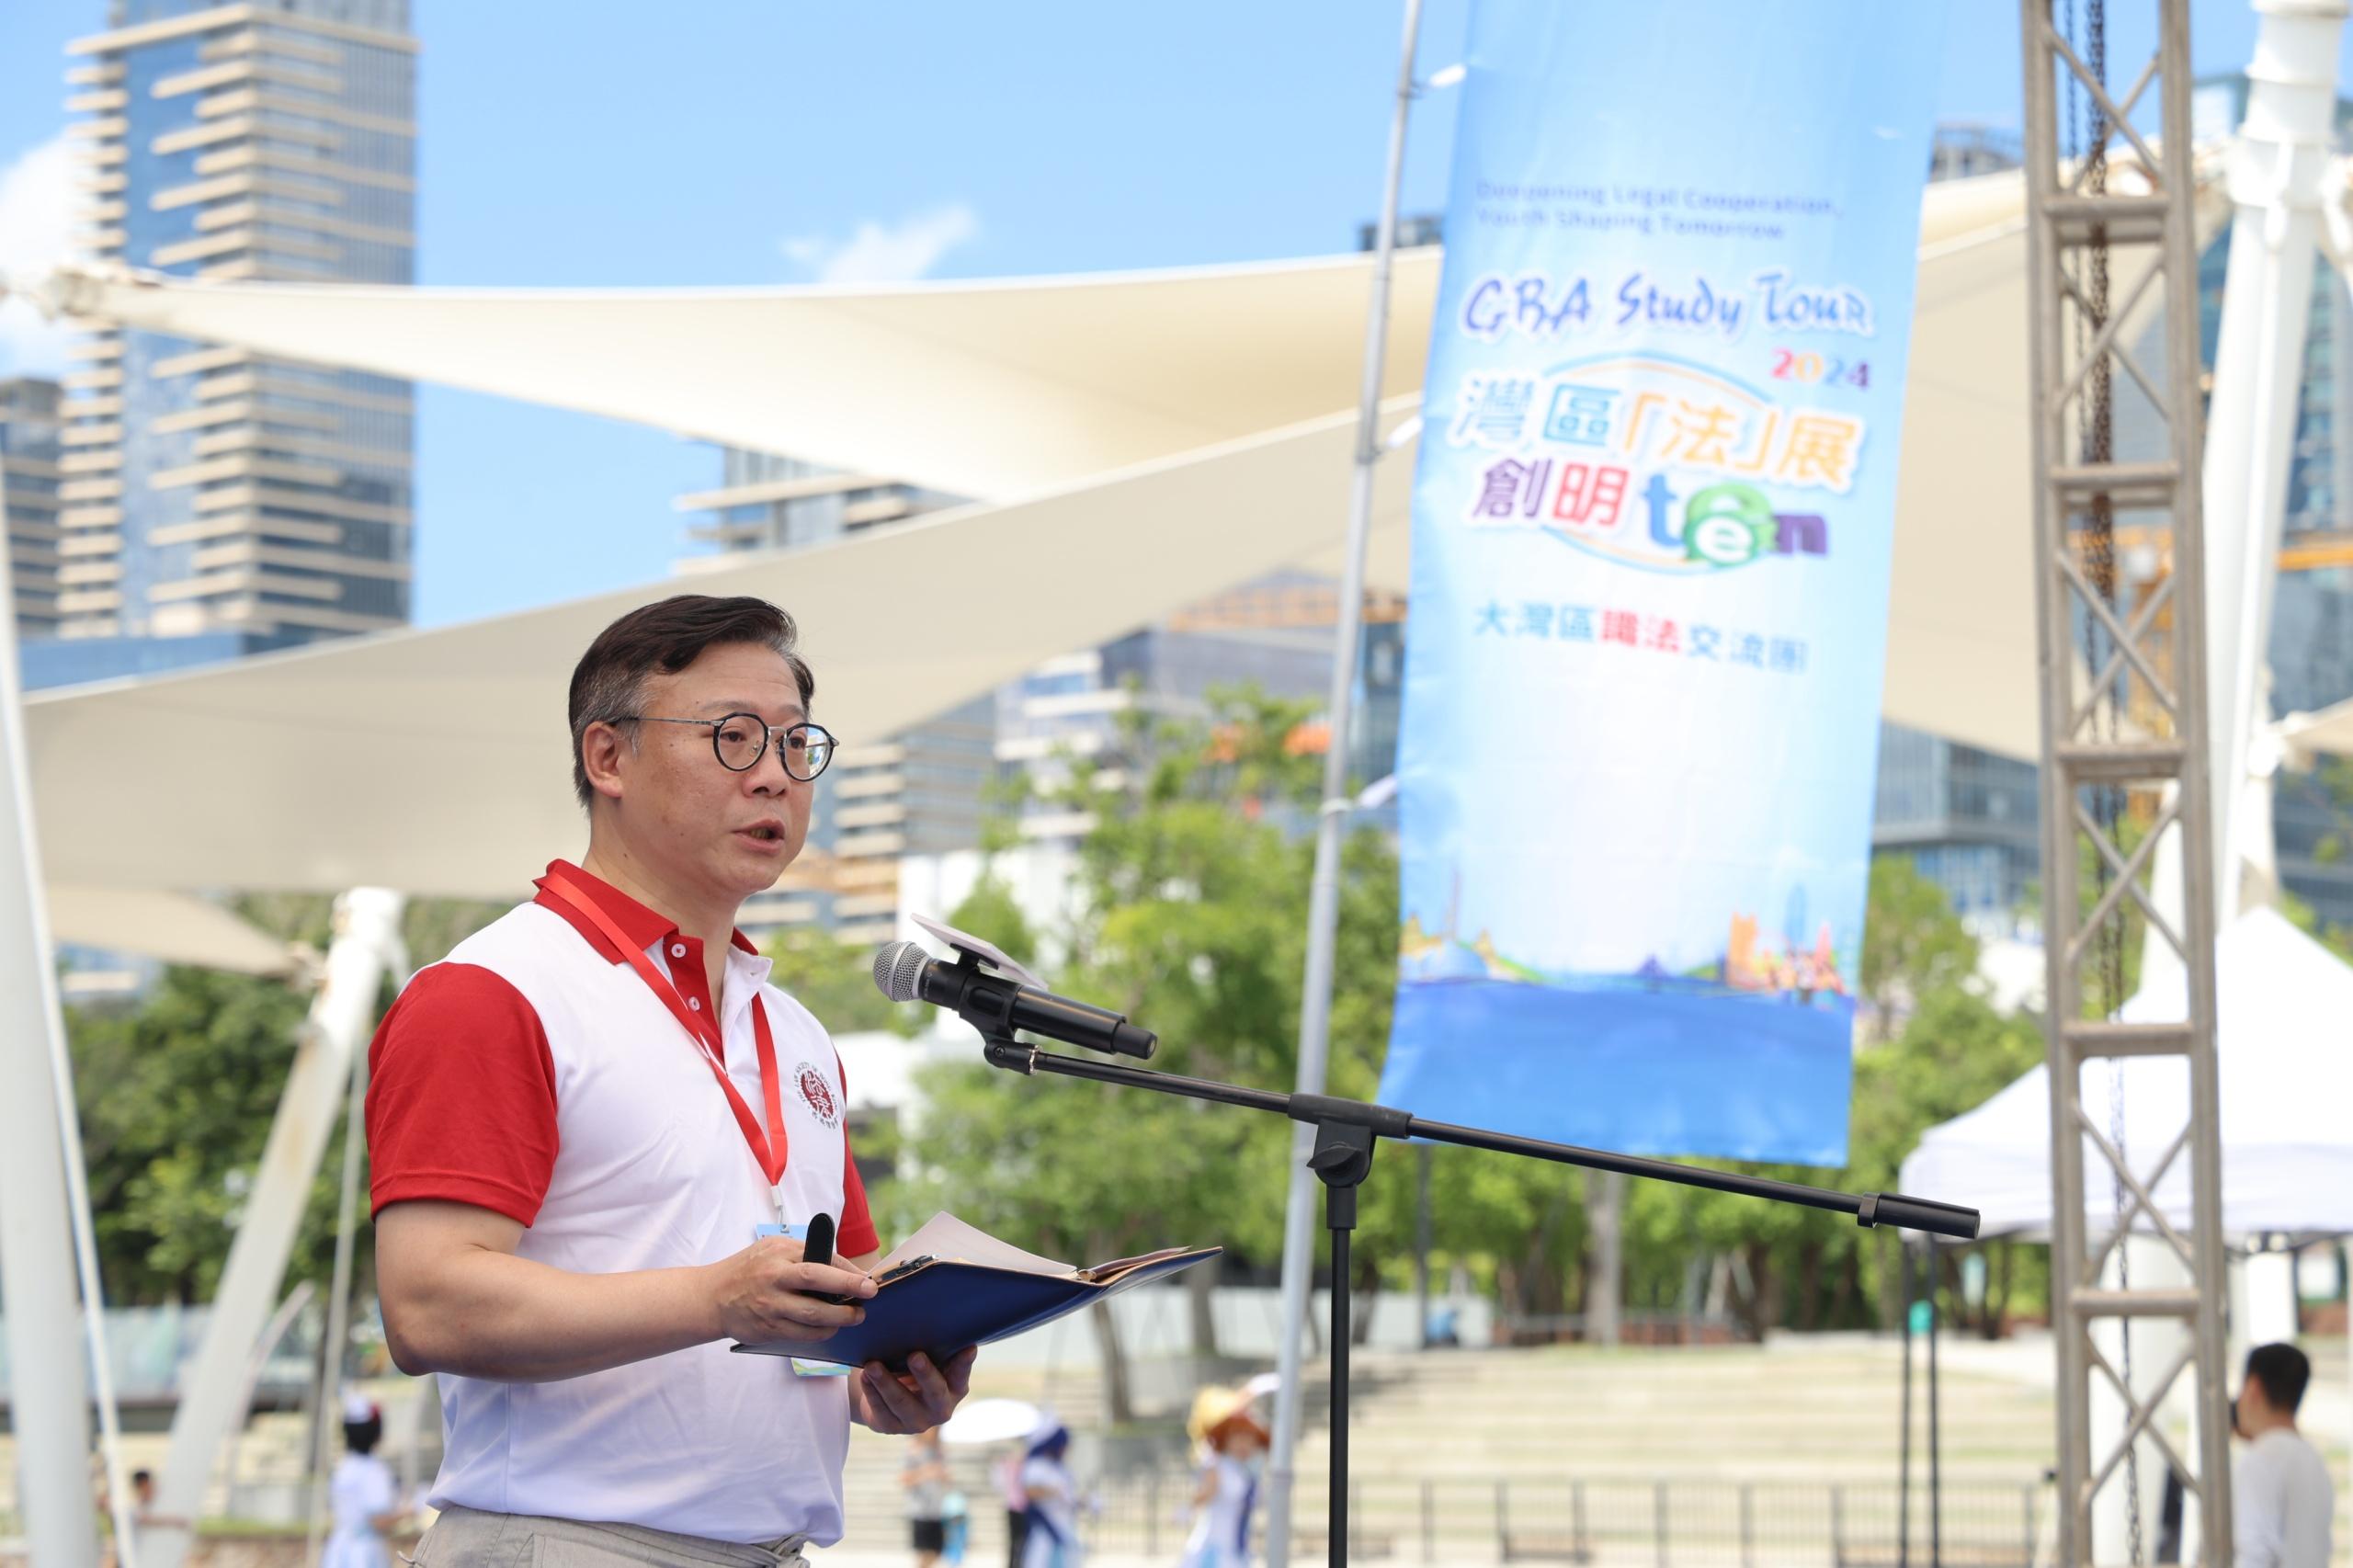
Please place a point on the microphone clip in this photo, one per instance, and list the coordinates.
(1002, 1051)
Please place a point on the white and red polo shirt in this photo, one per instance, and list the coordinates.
(534, 1074)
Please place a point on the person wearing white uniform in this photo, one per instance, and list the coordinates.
(1051, 1540)
(1230, 1438)
(363, 1495)
(2281, 1500)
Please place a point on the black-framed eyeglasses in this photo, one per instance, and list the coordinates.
(740, 740)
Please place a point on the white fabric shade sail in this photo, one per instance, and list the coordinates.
(990, 390)
(176, 927)
(2286, 1078)
(2305, 738)
(1140, 441)
(437, 762)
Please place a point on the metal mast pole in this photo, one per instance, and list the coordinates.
(2135, 720)
(1323, 896)
(48, 1401)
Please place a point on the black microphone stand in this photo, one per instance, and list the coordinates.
(1345, 1134)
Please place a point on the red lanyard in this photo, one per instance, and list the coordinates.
(770, 1150)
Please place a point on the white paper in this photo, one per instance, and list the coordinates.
(950, 1240)
(964, 944)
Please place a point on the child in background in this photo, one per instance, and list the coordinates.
(1230, 1438)
(363, 1495)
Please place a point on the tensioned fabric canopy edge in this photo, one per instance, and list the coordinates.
(438, 762)
(991, 389)
(176, 927)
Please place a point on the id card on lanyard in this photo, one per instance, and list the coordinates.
(768, 1148)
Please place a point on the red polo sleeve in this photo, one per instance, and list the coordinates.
(461, 1096)
(856, 1235)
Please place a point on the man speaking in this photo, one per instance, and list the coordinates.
(581, 1120)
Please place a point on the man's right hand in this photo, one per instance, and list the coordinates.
(456, 1299)
(766, 1293)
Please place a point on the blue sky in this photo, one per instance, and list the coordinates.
(591, 141)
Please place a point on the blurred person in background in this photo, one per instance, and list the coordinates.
(364, 1499)
(2282, 1503)
(1230, 1438)
(956, 1528)
(1049, 1495)
(924, 1475)
(1007, 1471)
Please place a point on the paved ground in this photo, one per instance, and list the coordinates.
(1780, 1457)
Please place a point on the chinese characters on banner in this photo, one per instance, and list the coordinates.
(1651, 529)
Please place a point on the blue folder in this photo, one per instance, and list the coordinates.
(940, 1308)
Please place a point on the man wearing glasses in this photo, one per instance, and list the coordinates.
(580, 1121)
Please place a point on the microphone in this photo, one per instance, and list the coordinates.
(905, 972)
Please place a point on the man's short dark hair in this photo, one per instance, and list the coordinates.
(2283, 1370)
(608, 683)
(139, 1477)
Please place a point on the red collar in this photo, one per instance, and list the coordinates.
(642, 924)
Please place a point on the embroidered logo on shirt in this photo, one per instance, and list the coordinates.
(820, 1096)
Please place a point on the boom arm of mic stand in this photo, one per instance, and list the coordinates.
(1346, 1133)
(1330, 1111)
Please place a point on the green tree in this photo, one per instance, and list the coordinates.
(1191, 914)
(991, 913)
(2334, 778)
(1913, 946)
(1937, 1049)
(177, 1091)
(833, 979)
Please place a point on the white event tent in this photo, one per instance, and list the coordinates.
(2286, 1079)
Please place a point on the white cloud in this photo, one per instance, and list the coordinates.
(36, 206)
(886, 253)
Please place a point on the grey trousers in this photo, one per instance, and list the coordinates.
(466, 1537)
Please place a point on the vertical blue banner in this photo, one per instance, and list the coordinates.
(1652, 529)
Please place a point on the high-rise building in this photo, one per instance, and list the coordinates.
(767, 502)
(29, 480)
(1963, 150)
(1968, 819)
(212, 500)
(919, 792)
(1274, 633)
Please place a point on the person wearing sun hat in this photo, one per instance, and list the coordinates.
(1229, 1436)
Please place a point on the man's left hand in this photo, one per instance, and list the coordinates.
(917, 1400)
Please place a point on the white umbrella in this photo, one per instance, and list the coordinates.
(991, 1421)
